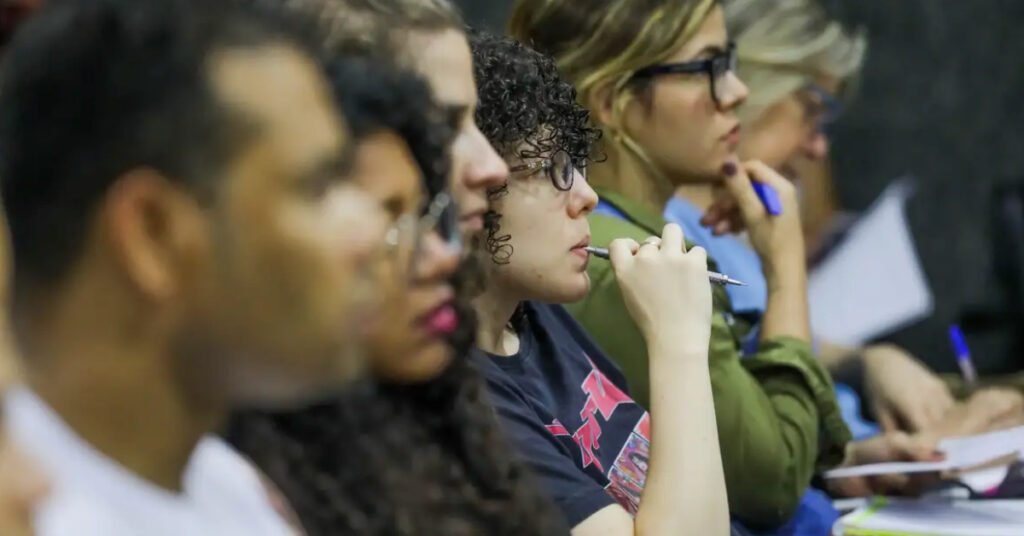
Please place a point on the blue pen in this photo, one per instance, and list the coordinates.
(769, 197)
(963, 355)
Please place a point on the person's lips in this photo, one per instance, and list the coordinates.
(733, 136)
(580, 248)
(473, 221)
(443, 321)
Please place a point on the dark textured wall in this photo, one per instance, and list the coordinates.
(941, 98)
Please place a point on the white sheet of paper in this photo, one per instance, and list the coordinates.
(938, 517)
(873, 282)
(961, 453)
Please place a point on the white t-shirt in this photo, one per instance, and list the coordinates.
(92, 495)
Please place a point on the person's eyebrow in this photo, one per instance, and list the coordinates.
(454, 114)
(335, 166)
(710, 50)
(394, 205)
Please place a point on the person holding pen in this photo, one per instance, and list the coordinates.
(658, 79)
(799, 65)
(610, 467)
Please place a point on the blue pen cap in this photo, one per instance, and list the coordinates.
(956, 336)
(769, 197)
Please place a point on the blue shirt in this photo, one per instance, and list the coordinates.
(735, 259)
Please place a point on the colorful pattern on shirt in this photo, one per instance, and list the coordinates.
(568, 410)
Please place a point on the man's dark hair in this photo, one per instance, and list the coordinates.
(527, 110)
(395, 460)
(94, 88)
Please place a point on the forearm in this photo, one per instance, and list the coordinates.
(786, 313)
(835, 356)
(685, 488)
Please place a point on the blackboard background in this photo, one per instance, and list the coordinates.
(941, 99)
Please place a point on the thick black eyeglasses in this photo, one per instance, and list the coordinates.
(559, 168)
(716, 67)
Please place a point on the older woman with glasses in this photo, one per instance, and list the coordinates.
(800, 64)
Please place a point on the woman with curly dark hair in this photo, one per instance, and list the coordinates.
(563, 403)
(417, 452)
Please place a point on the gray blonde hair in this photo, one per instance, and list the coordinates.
(783, 45)
(373, 27)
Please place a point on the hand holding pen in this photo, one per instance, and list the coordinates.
(666, 291)
(756, 198)
(714, 277)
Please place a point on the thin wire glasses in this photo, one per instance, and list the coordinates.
(405, 237)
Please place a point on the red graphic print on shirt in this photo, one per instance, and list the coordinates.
(628, 471)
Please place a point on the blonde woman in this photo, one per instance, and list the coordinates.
(659, 80)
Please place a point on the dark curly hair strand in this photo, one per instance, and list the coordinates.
(525, 110)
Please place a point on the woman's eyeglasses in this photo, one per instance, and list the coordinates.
(405, 237)
(717, 68)
(821, 107)
(559, 168)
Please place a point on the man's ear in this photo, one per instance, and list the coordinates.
(154, 228)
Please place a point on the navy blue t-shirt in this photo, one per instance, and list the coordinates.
(567, 411)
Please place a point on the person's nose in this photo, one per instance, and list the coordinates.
(817, 146)
(582, 198)
(484, 168)
(436, 260)
(735, 93)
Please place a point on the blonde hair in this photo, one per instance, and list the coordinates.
(599, 44)
(783, 45)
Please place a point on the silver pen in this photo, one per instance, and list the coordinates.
(714, 277)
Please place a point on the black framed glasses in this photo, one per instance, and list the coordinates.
(559, 168)
(716, 67)
(405, 238)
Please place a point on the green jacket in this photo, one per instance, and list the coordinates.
(778, 419)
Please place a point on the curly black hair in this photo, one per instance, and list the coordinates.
(525, 110)
(400, 459)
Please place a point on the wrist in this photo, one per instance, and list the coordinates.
(677, 345)
(784, 256)
(787, 273)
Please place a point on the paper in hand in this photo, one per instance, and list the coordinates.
(872, 283)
